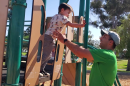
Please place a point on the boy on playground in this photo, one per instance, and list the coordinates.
(56, 23)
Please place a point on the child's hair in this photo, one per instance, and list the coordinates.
(65, 6)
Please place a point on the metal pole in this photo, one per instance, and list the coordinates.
(78, 65)
(85, 41)
(44, 3)
(15, 42)
(59, 81)
(65, 1)
(7, 49)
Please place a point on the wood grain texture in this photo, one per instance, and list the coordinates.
(3, 22)
(69, 73)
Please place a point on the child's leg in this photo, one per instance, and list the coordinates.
(44, 61)
(47, 48)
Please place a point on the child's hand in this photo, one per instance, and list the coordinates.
(84, 23)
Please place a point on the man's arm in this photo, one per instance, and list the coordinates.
(77, 50)
(76, 24)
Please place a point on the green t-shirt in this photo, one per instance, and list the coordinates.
(104, 69)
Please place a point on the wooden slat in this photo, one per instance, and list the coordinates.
(70, 38)
(69, 71)
(81, 31)
(58, 63)
(72, 68)
(64, 80)
(33, 67)
(80, 34)
(3, 21)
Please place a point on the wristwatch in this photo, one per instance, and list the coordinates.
(65, 40)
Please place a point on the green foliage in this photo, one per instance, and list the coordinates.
(26, 37)
(109, 12)
(124, 31)
(24, 53)
(10, 3)
(26, 34)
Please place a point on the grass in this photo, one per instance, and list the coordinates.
(24, 53)
(3, 63)
(121, 65)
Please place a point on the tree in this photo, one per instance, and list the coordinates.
(109, 12)
(124, 31)
(26, 34)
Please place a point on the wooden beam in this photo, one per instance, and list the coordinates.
(3, 21)
(33, 67)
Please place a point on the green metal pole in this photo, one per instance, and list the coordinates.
(118, 80)
(78, 74)
(78, 65)
(59, 81)
(44, 3)
(15, 42)
(64, 1)
(115, 83)
(85, 41)
(7, 49)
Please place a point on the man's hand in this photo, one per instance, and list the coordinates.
(59, 36)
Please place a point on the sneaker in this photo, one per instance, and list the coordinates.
(40, 75)
(43, 73)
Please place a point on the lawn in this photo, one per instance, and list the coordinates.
(24, 53)
(121, 65)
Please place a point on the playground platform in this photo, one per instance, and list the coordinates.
(48, 68)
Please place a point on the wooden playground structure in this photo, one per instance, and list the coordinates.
(67, 73)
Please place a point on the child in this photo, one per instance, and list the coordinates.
(56, 23)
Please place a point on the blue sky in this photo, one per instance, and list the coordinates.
(52, 9)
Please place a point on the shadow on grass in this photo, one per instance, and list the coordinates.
(120, 59)
(123, 71)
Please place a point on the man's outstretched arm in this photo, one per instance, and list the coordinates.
(77, 50)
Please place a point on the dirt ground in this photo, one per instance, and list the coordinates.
(124, 80)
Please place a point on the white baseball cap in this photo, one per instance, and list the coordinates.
(113, 35)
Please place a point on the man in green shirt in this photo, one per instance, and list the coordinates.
(104, 69)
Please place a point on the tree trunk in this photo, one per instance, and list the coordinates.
(128, 65)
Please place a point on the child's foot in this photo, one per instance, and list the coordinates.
(44, 73)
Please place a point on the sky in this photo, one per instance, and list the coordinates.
(52, 9)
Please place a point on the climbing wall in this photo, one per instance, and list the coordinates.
(58, 58)
(36, 38)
